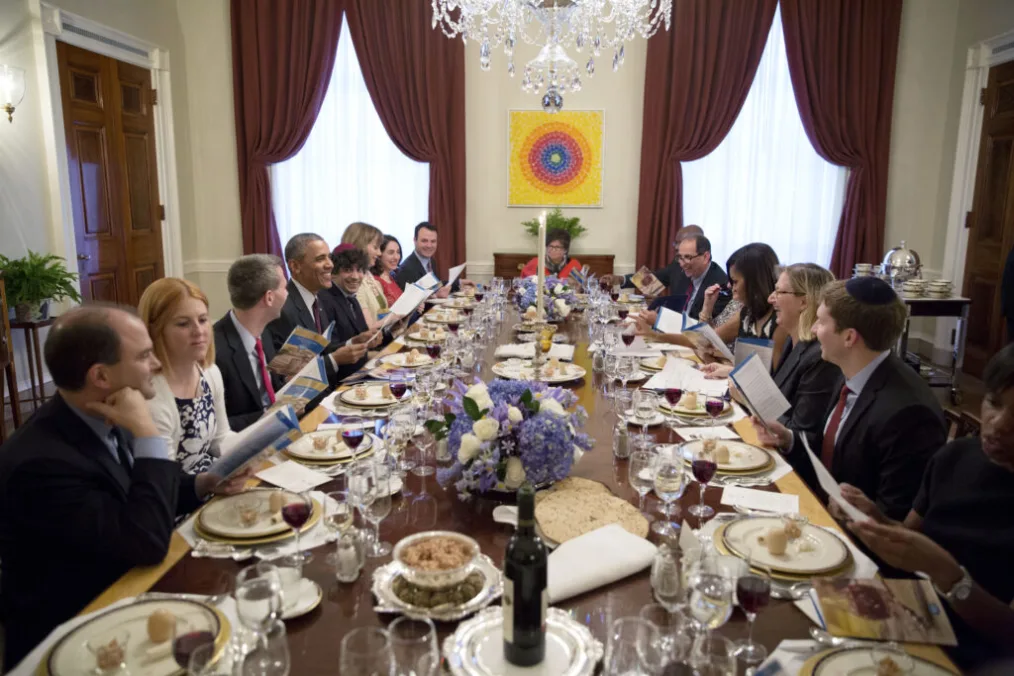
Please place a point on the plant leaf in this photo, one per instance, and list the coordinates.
(471, 408)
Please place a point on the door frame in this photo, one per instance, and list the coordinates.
(979, 59)
(52, 24)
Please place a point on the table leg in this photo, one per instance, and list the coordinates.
(902, 346)
(31, 370)
(38, 365)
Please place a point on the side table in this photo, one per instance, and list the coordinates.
(34, 353)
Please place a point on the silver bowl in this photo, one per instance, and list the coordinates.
(435, 579)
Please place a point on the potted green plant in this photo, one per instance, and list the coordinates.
(35, 280)
(555, 220)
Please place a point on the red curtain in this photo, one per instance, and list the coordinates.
(416, 78)
(697, 77)
(842, 56)
(283, 52)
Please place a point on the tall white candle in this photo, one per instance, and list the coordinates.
(541, 289)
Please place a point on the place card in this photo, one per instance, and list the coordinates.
(697, 433)
(293, 477)
(765, 501)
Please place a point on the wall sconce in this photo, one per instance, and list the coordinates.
(12, 89)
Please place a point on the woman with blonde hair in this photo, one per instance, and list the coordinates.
(372, 300)
(806, 380)
(189, 404)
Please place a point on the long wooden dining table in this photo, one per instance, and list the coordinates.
(426, 505)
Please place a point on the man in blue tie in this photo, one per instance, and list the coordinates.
(87, 489)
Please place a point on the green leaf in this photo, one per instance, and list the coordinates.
(555, 220)
(526, 398)
(501, 470)
(471, 408)
(434, 427)
(449, 418)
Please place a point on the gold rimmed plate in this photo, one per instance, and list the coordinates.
(374, 396)
(863, 662)
(743, 458)
(334, 449)
(816, 553)
(315, 514)
(224, 515)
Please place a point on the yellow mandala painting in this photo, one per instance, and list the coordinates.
(555, 159)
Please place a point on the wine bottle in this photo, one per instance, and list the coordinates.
(524, 593)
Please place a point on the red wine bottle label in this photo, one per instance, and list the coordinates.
(545, 604)
(507, 602)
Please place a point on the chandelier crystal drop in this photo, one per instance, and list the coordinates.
(555, 26)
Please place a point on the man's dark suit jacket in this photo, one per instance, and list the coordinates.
(349, 318)
(810, 384)
(894, 427)
(243, 401)
(412, 270)
(295, 313)
(72, 521)
(714, 275)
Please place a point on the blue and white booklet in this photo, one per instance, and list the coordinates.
(764, 348)
(762, 395)
(299, 349)
(702, 334)
(670, 321)
(278, 428)
(304, 386)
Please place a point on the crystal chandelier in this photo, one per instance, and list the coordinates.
(594, 25)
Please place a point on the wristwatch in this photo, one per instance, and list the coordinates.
(961, 590)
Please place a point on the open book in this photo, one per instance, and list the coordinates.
(278, 428)
(304, 386)
(300, 348)
(646, 282)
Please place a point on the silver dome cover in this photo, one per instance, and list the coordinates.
(902, 263)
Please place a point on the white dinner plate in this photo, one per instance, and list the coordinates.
(334, 448)
(860, 662)
(444, 317)
(221, 516)
(742, 456)
(374, 396)
(816, 551)
(698, 410)
(401, 359)
(656, 419)
(567, 373)
(310, 596)
(430, 335)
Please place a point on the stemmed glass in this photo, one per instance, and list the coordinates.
(425, 441)
(753, 591)
(626, 368)
(634, 647)
(628, 334)
(710, 596)
(339, 513)
(353, 433)
(366, 651)
(672, 625)
(645, 408)
(714, 406)
(414, 643)
(258, 594)
(403, 420)
(205, 661)
(398, 388)
(271, 656)
(610, 368)
(672, 398)
(640, 474)
(704, 466)
(713, 655)
(295, 514)
(378, 508)
(670, 482)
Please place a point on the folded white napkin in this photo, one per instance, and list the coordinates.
(527, 351)
(595, 559)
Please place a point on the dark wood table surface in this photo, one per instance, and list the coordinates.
(425, 505)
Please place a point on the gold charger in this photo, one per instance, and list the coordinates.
(330, 463)
(720, 545)
(315, 513)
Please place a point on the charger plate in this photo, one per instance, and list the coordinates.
(315, 513)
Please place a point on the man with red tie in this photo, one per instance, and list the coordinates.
(885, 424)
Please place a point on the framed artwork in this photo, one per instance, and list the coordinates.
(555, 159)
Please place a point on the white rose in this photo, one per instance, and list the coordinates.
(515, 475)
(469, 448)
(483, 402)
(514, 414)
(552, 406)
(561, 307)
(477, 391)
(558, 290)
(486, 428)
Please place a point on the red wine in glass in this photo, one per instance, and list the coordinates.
(704, 470)
(615, 295)
(628, 339)
(622, 313)
(673, 396)
(753, 592)
(714, 407)
(354, 437)
(296, 513)
(433, 351)
(185, 644)
(479, 295)
(398, 388)
(468, 310)
(453, 326)
(604, 285)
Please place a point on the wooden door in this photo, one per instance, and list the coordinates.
(110, 127)
(991, 223)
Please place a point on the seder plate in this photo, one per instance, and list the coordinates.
(388, 601)
(316, 511)
(742, 456)
(827, 554)
(476, 648)
(374, 396)
(860, 662)
(334, 450)
(70, 655)
(524, 371)
(220, 516)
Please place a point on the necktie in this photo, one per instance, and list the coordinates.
(690, 297)
(121, 450)
(316, 315)
(264, 372)
(827, 448)
(429, 266)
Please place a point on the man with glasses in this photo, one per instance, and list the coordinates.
(694, 258)
(671, 276)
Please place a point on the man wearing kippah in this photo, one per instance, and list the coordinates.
(885, 424)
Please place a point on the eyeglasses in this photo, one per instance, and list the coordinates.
(556, 247)
(687, 259)
(779, 292)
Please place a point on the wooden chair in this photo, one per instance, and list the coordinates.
(7, 362)
(961, 423)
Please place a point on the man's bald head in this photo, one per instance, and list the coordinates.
(687, 231)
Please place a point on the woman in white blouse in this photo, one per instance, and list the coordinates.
(189, 404)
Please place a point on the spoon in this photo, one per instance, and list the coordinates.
(824, 638)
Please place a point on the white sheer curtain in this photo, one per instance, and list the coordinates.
(765, 182)
(349, 170)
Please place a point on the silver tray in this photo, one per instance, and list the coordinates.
(388, 601)
(476, 648)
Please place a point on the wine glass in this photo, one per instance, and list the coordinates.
(403, 421)
(710, 597)
(366, 651)
(622, 311)
(297, 513)
(187, 640)
(425, 441)
(398, 388)
(634, 647)
(378, 509)
(352, 432)
(610, 368)
(628, 334)
(669, 484)
(672, 398)
(640, 474)
(271, 655)
(258, 594)
(626, 368)
(338, 516)
(414, 643)
(433, 350)
(614, 294)
(753, 591)
(713, 655)
(714, 406)
(672, 625)
(704, 466)
(645, 408)
(205, 661)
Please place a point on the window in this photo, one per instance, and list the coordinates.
(765, 182)
(349, 169)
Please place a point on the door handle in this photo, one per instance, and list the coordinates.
(84, 257)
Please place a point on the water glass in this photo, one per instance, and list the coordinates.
(642, 477)
(674, 628)
(366, 651)
(634, 648)
(670, 481)
(258, 595)
(290, 574)
(713, 655)
(622, 403)
(414, 643)
(666, 578)
(710, 598)
(270, 657)
(205, 660)
(378, 509)
(424, 441)
(645, 406)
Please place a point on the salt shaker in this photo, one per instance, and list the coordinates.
(621, 439)
(350, 556)
(599, 361)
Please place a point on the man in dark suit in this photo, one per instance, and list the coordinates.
(309, 260)
(671, 276)
(885, 423)
(87, 489)
(350, 264)
(420, 262)
(694, 256)
(258, 291)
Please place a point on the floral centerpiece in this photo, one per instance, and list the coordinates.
(509, 432)
(559, 301)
